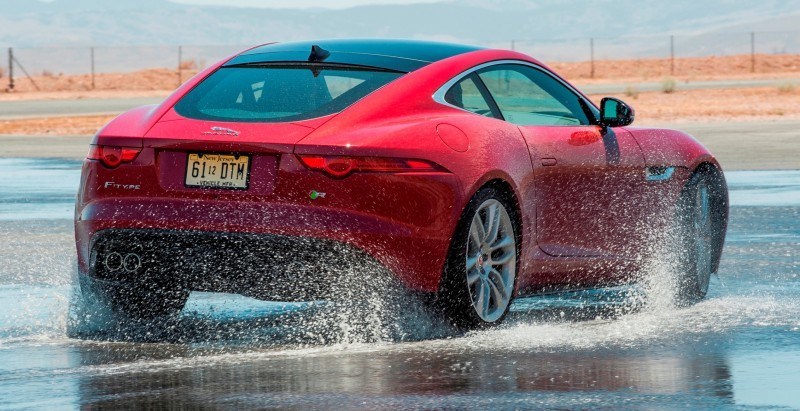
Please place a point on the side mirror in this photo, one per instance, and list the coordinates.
(614, 112)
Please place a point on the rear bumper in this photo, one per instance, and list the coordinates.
(402, 221)
(265, 266)
(301, 241)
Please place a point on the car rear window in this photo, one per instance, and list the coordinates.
(276, 94)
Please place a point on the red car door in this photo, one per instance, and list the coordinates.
(586, 177)
(587, 184)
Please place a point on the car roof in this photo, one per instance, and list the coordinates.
(388, 54)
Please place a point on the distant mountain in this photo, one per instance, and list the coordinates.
(549, 29)
(102, 22)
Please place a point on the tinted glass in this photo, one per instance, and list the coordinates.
(466, 94)
(273, 94)
(527, 96)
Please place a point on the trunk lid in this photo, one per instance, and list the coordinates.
(177, 142)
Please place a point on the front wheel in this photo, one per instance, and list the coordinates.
(481, 271)
(699, 221)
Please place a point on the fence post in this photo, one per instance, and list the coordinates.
(752, 52)
(92, 55)
(21, 67)
(180, 57)
(672, 55)
(10, 69)
(591, 57)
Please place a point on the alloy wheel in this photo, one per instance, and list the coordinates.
(491, 260)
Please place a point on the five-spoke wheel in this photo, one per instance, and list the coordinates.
(481, 271)
(491, 261)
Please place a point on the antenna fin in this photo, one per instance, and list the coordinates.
(318, 53)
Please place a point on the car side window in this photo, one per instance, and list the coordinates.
(467, 95)
(530, 97)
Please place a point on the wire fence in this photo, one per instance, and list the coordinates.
(45, 64)
(41, 67)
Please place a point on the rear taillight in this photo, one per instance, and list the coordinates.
(342, 166)
(112, 156)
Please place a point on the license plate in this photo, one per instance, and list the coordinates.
(217, 171)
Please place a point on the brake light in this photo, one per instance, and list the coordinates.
(342, 166)
(112, 156)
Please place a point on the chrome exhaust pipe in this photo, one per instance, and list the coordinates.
(132, 262)
(113, 261)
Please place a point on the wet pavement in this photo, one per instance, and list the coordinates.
(620, 348)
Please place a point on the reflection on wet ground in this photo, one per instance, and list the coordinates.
(620, 348)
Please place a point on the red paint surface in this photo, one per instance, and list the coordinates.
(581, 218)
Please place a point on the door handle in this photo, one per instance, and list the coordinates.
(549, 162)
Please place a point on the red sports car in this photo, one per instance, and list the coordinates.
(471, 175)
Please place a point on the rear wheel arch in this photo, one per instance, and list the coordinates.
(509, 194)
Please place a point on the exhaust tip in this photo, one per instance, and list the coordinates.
(113, 261)
(132, 262)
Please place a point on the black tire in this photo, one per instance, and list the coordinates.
(699, 233)
(455, 297)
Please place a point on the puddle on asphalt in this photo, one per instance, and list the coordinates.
(607, 348)
(38, 189)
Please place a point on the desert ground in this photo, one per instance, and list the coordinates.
(748, 115)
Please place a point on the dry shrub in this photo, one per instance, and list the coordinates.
(631, 91)
(668, 85)
(787, 87)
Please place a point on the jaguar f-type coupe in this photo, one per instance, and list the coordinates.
(469, 175)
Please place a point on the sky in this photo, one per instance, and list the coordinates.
(297, 4)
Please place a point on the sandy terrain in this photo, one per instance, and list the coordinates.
(55, 126)
(707, 113)
(160, 81)
(686, 69)
(713, 105)
(651, 107)
(139, 83)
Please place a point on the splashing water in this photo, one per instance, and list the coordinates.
(624, 341)
(363, 316)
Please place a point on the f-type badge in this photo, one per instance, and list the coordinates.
(221, 131)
